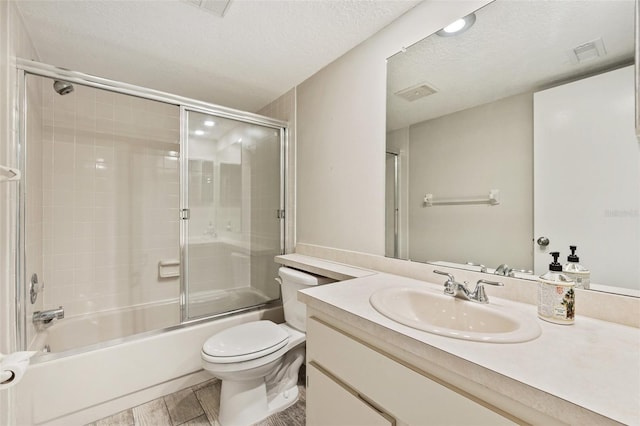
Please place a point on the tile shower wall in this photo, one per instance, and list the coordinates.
(110, 199)
(15, 41)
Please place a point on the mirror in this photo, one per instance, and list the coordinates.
(500, 137)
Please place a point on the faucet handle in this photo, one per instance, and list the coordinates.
(497, 283)
(450, 276)
(479, 295)
(482, 267)
(450, 284)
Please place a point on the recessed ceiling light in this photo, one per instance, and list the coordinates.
(209, 123)
(199, 132)
(458, 27)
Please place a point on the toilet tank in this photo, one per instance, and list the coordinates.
(292, 280)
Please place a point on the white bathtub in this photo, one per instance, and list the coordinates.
(89, 331)
(65, 387)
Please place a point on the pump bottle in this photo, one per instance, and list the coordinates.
(575, 271)
(556, 298)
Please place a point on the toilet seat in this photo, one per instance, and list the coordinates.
(245, 342)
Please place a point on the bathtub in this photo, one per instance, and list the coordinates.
(90, 331)
(84, 332)
(93, 371)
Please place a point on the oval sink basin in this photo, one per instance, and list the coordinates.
(452, 317)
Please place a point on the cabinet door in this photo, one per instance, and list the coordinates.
(407, 395)
(332, 403)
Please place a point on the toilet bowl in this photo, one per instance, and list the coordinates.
(258, 361)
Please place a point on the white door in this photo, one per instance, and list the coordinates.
(587, 176)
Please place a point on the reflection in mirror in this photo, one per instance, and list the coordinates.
(519, 129)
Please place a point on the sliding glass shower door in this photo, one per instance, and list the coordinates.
(138, 210)
(231, 213)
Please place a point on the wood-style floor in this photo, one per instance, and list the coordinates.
(196, 406)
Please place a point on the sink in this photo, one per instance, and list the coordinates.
(441, 314)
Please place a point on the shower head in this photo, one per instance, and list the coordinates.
(62, 87)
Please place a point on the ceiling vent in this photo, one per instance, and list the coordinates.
(217, 7)
(588, 51)
(416, 92)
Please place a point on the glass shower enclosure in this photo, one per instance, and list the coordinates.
(140, 210)
(232, 203)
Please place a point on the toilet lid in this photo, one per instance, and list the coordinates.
(245, 341)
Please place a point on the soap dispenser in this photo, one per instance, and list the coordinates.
(556, 298)
(575, 271)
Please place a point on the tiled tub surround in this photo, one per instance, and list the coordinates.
(586, 373)
(110, 180)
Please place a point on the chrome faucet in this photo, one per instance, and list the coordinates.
(461, 291)
(504, 270)
(211, 231)
(43, 319)
(482, 267)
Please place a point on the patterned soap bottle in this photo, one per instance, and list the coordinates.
(556, 298)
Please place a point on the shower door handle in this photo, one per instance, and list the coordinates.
(8, 174)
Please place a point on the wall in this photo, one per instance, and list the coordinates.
(6, 198)
(13, 41)
(444, 162)
(341, 135)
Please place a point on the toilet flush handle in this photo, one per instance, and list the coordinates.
(278, 280)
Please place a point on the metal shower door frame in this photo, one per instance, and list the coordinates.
(278, 125)
(27, 67)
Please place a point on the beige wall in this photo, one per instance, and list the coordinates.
(341, 135)
(6, 295)
(13, 41)
(465, 155)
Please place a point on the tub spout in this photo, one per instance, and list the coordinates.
(43, 319)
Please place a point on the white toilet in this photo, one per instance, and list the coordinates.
(258, 362)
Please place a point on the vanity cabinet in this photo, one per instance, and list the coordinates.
(339, 404)
(350, 382)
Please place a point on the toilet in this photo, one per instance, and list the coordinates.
(258, 361)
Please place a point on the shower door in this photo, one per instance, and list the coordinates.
(231, 210)
(391, 205)
(139, 210)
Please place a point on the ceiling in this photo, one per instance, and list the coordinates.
(259, 50)
(514, 47)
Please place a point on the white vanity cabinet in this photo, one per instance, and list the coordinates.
(350, 382)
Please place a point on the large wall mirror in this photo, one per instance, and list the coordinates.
(515, 138)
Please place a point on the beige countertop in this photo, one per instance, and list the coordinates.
(585, 373)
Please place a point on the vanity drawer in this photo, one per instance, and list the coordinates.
(336, 404)
(407, 395)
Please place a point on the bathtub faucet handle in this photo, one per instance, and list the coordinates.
(44, 318)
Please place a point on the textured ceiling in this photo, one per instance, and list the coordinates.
(256, 52)
(515, 46)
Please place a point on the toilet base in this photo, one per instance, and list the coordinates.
(245, 403)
